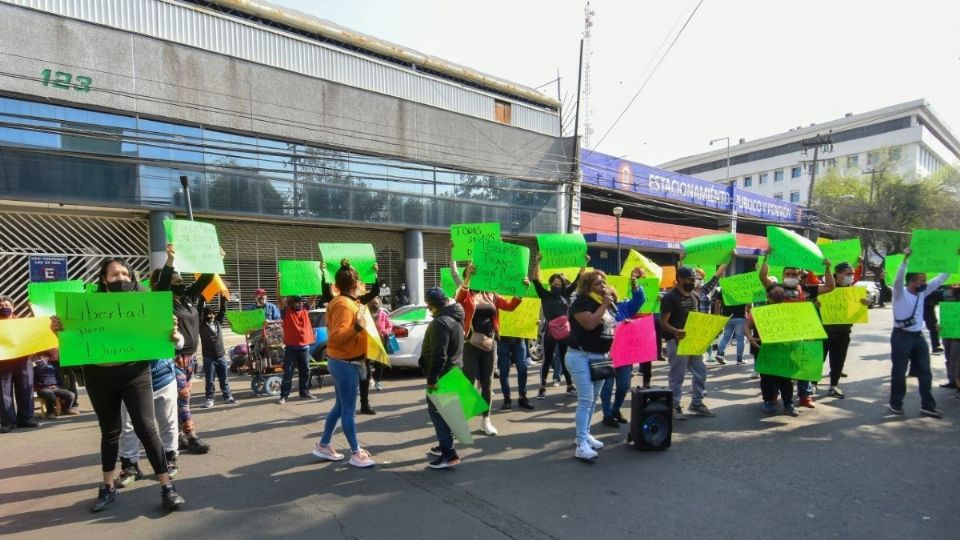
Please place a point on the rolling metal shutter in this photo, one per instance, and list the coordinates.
(85, 240)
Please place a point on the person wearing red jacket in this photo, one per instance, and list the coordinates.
(482, 330)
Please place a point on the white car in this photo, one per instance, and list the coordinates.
(410, 327)
(873, 291)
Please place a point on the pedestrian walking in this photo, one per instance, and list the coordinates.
(442, 350)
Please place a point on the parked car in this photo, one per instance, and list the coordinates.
(409, 326)
(873, 292)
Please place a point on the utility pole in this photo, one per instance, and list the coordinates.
(817, 143)
(574, 185)
(873, 179)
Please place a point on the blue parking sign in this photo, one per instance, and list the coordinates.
(48, 268)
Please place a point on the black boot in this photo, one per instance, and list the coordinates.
(507, 404)
(524, 403)
(170, 498)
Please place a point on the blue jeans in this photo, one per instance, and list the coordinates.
(512, 351)
(910, 350)
(622, 379)
(444, 434)
(295, 356)
(733, 328)
(218, 367)
(346, 383)
(578, 364)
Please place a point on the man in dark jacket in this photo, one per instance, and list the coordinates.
(442, 350)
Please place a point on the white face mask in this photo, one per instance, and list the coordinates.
(846, 280)
(791, 282)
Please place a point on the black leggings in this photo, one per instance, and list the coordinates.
(551, 347)
(646, 370)
(836, 347)
(107, 387)
(374, 369)
(771, 385)
(478, 365)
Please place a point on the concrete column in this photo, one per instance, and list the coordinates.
(414, 264)
(158, 238)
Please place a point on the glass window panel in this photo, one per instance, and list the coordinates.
(236, 152)
(276, 158)
(170, 142)
(160, 186)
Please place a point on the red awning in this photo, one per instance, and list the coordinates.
(663, 232)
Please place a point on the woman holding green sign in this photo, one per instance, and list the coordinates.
(110, 385)
(482, 329)
(771, 385)
(556, 304)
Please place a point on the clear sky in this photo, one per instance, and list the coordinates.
(742, 68)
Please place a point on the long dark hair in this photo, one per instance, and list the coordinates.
(563, 280)
(347, 279)
(102, 276)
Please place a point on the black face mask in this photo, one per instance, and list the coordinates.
(119, 286)
(179, 290)
(296, 307)
(687, 287)
(556, 290)
(5, 312)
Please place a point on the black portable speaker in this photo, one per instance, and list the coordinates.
(651, 418)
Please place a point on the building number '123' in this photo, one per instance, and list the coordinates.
(66, 81)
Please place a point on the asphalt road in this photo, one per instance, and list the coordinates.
(846, 469)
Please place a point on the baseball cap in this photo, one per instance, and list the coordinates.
(686, 272)
(260, 292)
(436, 297)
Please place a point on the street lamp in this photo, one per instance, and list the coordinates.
(733, 187)
(617, 212)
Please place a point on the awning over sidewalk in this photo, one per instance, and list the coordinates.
(640, 234)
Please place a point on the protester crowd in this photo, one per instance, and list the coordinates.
(148, 403)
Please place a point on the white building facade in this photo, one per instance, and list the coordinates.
(908, 138)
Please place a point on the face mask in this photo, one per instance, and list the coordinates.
(119, 286)
(846, 281)
(698, 283)
(556, 290)
(791, 282)
(5, 312)
(921, 288)
(178, 290)
(687, 287)
(374, 309)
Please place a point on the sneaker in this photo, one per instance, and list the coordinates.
(171, 499)
(712, 360)
(741, 361)
(281, 401)
(585, 452)
(378, 386)
(50, 416)
(620, 418)
(895, 410)
(843, 375)
(6, 428)
(524, 403)
(367, 410)
(594, 443)
(556, 383)
(172, 469)
(678, 413)
(948, 385)
(572, 391)
(835, 392)
(721, 360)
(73, 412)
(700, 409)
(361, 459)
(105, 497)
(129, 473)
(308, 395)
(436, 451)
(445, 462)
(487, 427)
(507, 404)
(937, 351)
(790, 410)
(196, 446)
(542, 393)
(208, 404)
(29, 422)
(611, 422)
(183, 443)
(326, 452)
(806, 402)
(229, 400)
(932, 412)
(768, 407)
(755, 375)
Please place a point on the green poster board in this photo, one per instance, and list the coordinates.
(465, 235)
(800, 360)
(299, 278)
(244, 322)
(361, 256)
(792, 250)
(197, 246)
(839, 251)
(562, 250)
(742, 289)
(709, 250)
(455, 382)
(41, 295)
(950, 320)
(935, 251)
(500, 267)
(107, 328)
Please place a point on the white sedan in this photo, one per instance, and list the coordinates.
(410, 327)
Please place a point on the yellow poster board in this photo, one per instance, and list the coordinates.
(523, 322)
(843, 306)
(701, 330)
(23, 337)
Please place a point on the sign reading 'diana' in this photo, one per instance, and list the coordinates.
(612, 172)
